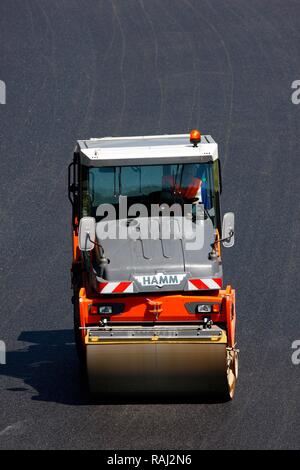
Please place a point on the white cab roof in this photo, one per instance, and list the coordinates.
(146, 150)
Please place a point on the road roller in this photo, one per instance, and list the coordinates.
(151, 312)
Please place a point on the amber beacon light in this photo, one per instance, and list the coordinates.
(195, 137)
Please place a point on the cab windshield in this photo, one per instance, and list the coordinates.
(192, 183)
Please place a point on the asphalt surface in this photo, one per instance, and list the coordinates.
(76, 69)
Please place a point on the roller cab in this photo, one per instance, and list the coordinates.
(151, 314)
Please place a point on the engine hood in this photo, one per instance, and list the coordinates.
(165, 263)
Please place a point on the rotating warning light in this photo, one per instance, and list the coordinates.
(195, 137)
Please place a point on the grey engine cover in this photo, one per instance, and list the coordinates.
(134, 260)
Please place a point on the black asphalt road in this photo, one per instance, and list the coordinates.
(76, 69)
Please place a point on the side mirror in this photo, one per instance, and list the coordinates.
(228, 230)
(87, 233)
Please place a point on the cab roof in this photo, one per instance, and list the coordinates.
(146, 150)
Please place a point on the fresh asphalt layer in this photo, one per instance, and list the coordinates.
(76, 69)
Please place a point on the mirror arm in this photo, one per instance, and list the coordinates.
(96, 244)
(227, 239)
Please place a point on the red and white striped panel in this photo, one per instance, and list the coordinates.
(212, 283)
(123, 287)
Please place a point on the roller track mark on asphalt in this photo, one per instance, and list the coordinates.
(123, 54)
(287, 16)
(266, 21)
(15, 428)
(258, 40)
(148, 18)
(28, 6)
(289, 130)
(167, 13)
(110, 47)
(229, 63)
(194, 74)
(33, 104)
(92, 88)
(111, 43)
(196, 86)
(48, 57)
(44, 13)
(52, 62)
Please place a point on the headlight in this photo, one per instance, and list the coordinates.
(105, 310)
(204, 308)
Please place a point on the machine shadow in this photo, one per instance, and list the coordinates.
(49, 366)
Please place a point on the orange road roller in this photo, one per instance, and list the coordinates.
(151, 313)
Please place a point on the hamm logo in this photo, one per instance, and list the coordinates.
(160, 280)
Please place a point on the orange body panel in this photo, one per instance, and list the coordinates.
(162, 308)
(230, 316)
(217, 245)
(76, 252)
